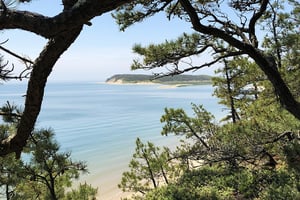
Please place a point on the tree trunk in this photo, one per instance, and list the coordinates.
(228, 82)
(269, 67)
(52, 189)
(149, 169)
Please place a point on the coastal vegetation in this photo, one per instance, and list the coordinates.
(252, 153)
(178, 80)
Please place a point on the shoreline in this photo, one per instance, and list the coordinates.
(107, 179)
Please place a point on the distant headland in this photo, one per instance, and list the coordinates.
(179, 80)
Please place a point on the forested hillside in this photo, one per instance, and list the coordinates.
(178, 79)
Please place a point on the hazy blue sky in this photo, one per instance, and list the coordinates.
(101, 50)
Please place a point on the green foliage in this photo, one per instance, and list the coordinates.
(173, 192)
(280, 185)
(217, 182)
(137, 11)
(49, 167)
(44, 173)
(169, 52)
(10, 172)
(10, 113)
(292, 153)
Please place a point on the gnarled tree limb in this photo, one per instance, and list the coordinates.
(41, 70)
(49, 27)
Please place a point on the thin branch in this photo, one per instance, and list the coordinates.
(16, 55)
(195, 134)
(5, 73)
(218, 59)
(218, 33)
(227, 25)
(10, 114)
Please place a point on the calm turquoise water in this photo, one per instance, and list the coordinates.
(99, 123)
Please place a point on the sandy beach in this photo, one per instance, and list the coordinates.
(113, 194)
(159, 85)
(107, 185)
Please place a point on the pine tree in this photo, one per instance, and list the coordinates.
(149, 168)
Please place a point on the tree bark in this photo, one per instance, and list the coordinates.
(49, 27)
(152, 178)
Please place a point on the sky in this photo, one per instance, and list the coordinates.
(101, 50)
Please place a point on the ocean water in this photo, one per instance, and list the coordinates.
(99, 122)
